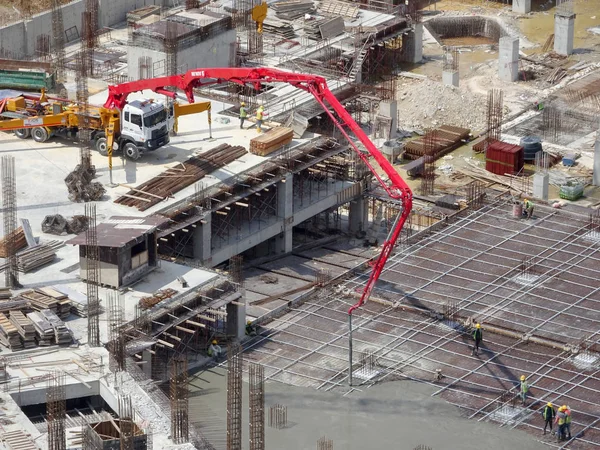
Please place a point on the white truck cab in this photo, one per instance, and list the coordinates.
(144, 127)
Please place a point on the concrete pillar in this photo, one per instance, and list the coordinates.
(285, 212)
(521, 6)
(564, 32)
(508, 59)
(203, 240)
(540, 185)
(450, 78)
(147, 366)
(358, 215)
(596, 180)
(414, 42)
(236, 319)
(390, 109)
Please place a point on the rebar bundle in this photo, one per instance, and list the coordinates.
(450, 310)
(126, 422)
(116, 339)
(236, 264)
(179, 396)
(450, 59)
(234, 396)
(57, 411)
(257, 406)
(551, 123)
(92, 277)
(42, 47)
(324, 444)
(91, 34)
(564, 8)
(542, 162)
(9, 202)
(528, 267)
(475, 194)
(494, 115)
(428, 177)
(58, 39)
(278, 416)
(171, 48)
(323, 277)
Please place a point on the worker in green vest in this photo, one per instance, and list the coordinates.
(560, 421)
(568, 422)
(548, 414)
(260, 112)
(477, 337)
(524, 389)
(243, 115)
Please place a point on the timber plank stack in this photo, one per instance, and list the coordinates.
(275, 26)
(5, 294)
(150, 301)
(447, 138)
(271, 141)
(338, 8)
(19, 239)
(38, 256)
(62, 334)
(18, 440)
(292, 9)
(9, 336)
(179, 177)
(39, 300)
(43, 328)
(24, 327)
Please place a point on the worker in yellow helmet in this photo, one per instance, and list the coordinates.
(560, 420)
(250, 329)
(478, 337)
(214, 350)
(243, 114)
(260, 114)
(548, 414)
(568, 422)
(524, 389)
(528, 210)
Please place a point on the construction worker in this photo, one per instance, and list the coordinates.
(243, 114)
(524, 389)
(560, 421)
(260, 113)
(214, 350)
(478, 337)
(568, 422)
(250, 329)
(528, 211)
(548, 414)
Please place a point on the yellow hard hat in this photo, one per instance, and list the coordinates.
(549, 404)
(526, 200)
(243, 103)
(214, 341)
(478, 326)
(562, 408)
(261, 107)
(522, 377)
(249, 322)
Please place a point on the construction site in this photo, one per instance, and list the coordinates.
(299, 224)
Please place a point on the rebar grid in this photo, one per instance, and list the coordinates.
(428, 176)
(278, 416)
(9, 202)
(116, 338)
(324, 444)
(179, 396)
(257, 406)
(495, 110)
(450, 59)
(58, 40)
(126, 422)
(234, 396)
(57, 411)
(551, 123)
(92, 276)
(42, 46)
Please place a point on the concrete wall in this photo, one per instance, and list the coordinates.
(18, 39)
(214, 52)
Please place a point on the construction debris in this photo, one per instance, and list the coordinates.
(324, 28)
(271, 141)
(163, 294)
(58, 225)
(81, 187)
(179, 177)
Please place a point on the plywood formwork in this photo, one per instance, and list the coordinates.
(534, 285)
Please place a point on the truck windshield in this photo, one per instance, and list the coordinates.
(155, 118)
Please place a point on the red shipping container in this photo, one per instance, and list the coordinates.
(501, 158)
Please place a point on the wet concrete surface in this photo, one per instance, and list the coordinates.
(394, 415)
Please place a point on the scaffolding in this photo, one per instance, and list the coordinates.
(92, 276)
(234, 396)
(9, 202)
(257, 406)
(179, 397)
(56, 411)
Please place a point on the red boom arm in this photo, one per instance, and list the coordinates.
(317, 86)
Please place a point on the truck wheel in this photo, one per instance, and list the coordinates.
(23, 133)
(39, 134)
(131, 151)
(101, 146)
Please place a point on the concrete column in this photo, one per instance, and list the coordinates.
(540, 185)
(508, 59)
(521, 6)
(414, 41)
(564, 32)
(147, 367)
(450, 78)
(236, 319)
(358, 216)
(390, 109)
(203, 240)
(285, 212)
(596, 180)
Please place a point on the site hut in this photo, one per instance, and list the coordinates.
(126, 249)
